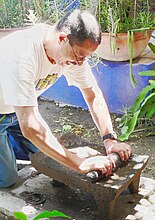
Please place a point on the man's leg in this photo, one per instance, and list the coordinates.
(9, 127)
(8, 168)
(22, 146)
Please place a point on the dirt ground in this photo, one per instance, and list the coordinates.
(77, 122)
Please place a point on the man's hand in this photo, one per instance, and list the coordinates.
(122, 149)
(93, 160)
(101, 163)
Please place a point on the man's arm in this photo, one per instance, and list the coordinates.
(35, 129)
(100, 114)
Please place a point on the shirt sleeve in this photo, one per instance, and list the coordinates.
(80, 76)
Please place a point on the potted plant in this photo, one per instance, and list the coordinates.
(15, 14)
(126, 29)
(12, 16)
(120, 22)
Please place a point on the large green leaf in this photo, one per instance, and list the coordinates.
(152, 82)
(147, 104)
(47, 214)
(147, 109)
(20, 216)
(141, 98)
(147, 73)
(151, 111)
(152, 47)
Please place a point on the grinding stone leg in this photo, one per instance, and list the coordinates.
(134, 185)
(105, 205)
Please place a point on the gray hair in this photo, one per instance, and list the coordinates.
(80, 26)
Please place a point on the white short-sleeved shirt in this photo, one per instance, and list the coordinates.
(26, 72)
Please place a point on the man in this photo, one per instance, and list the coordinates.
(31, 60)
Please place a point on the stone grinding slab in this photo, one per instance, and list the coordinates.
(106, 189)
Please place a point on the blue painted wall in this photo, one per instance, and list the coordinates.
(63, 93)
(114, 81)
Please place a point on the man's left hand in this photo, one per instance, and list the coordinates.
(122, 149)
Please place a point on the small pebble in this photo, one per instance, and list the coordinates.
(130, 217)
(118, 119)
(139, 215)
(152, 199)
(29, 210)
(140, 208)
(144, 202)
(145, 192)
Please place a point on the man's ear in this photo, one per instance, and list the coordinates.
(62, 37)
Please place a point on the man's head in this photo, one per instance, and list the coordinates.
(80, 33)
(80, 26)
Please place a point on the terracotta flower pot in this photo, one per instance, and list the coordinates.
(116, 48)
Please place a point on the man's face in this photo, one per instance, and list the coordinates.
(70, 54)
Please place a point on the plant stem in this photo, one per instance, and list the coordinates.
(144, 129)
(131, 46)
(56, 8)
(135, 11)
(5, 11)
(99, 11)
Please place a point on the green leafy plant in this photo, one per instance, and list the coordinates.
(15, 13)
(143, 108)
(12, 13)
(45, 11)
(45, 214)
(67, 128)
(117, 16)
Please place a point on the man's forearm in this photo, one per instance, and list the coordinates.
(35, 129)
(99, 111)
